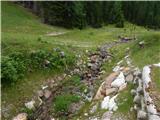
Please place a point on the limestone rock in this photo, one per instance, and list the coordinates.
(93, 109)
(21, 116)
(119, 81)
(146, 76)
(30, 105)
(154, 117)
(110, 91)
(129, 78)
(142, 115)
(40, 93)
(133, 92)
(105, 85)
(85, 114)
(108, 103)
(107, 115)
(137, 99)
(122, 87)
(44, 87)
(47, 94)
(62, 54)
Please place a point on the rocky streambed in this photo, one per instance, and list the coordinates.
(105, 99)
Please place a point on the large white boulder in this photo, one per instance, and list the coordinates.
(146, 76)
(109, 103)
(105, 102)
(119, 81)
(112, 104)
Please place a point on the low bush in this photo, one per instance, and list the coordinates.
(9, 72)
(16, 65)
(62, 102)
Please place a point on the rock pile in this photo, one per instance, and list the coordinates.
(144, 104)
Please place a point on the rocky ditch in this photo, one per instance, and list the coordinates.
(89, 71)
(112, 86)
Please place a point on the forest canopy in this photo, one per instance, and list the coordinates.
(79, 14)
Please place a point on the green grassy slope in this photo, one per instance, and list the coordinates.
(21, 29)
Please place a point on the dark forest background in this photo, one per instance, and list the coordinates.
(79, 14)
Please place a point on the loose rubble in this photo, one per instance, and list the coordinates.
(108, 91)
(143, 102)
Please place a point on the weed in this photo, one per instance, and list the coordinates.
(62, 102)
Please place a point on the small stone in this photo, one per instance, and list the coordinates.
(137, 71)
(142, 115)
(89, 98)
(141, 44)
(85, 91)
(62, 54)
(137, 99)
(69, 76)
(94, 67)
(140, 90)
(58, 78)
(47, 94)
(89, 75)
(133, 92)
(93, 58)
(76, 71)
(89, 64)
(102, 72)
(44, 87)
(94, 108)
(40, 93)
(21, 116)
(135, 107)
(64, 75)
(129, 78)
(85, 114)
(131, 109)
(46, 63)
(107, 115)
(30, 105)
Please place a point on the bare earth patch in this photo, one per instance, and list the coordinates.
(55, 33)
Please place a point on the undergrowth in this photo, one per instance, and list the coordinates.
(16, 65)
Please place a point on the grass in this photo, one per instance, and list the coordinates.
(62, 102)
(150, 54)
(155, 75)
(125, 100)
(21, 30)
(23, 91)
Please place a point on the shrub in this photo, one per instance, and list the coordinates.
(62, 102)
(17, 64)
(8, 71)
